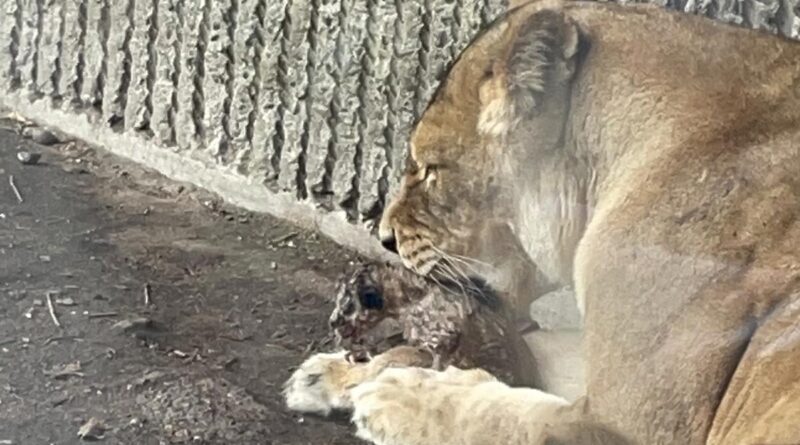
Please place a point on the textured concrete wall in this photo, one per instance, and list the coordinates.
(298, 108)
(776, 16)
(295, 105)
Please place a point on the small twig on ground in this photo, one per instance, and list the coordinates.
(61, 338)
(147, 294)
(52, 310)
(283, 238)
(103, 314)
(14, 187)
(7, 341)
(238, 339)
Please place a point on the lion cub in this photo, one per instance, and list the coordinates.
(395, 402)
(461, 325)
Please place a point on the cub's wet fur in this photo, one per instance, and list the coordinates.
(461, 324)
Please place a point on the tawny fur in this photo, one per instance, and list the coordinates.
(460, 324)
(323, 382)
(659, 177)
(408, 405)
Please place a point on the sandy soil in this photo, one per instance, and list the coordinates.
(236, 300)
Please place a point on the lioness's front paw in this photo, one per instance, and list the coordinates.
(323, 382)
(319, 385)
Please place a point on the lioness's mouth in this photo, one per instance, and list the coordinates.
(347, 333)
(471, 286)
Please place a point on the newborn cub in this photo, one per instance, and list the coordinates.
(461, 324)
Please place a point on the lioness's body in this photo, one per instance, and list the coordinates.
(657, 168)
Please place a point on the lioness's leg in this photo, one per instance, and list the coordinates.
(401, 407)
(659, 347)
(762, 401)
(412, 406)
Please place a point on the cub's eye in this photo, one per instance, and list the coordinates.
(371, 298)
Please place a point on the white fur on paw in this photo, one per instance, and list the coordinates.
(313, 388)
(392, 409)
(384, 411)
(459, 376)
(413, 406)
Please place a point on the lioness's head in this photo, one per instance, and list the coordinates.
(517, 71)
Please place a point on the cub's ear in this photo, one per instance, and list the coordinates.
(539, 63)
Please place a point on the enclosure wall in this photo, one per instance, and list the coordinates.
(297, 108)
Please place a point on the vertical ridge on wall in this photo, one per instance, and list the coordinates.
(323, 90)
(118, 60)
(9, 13)
(791, 25)
(438, 43)
(493, 9)
(94, 52)
(136, 114)
(232, 27)
(245, 58)
(423, 60)
(345, 172)
(469, 23)
(27, 47)
(378, 56)
(164, 89)
(762, 14)
(190, 94)
(72, 42)
(47, 65)
(403, 80)
(297, 82)
(261, 161)
(243, 157)
(216, 77)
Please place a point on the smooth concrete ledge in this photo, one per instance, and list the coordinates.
(233, 188)
(560, 359)
(557, 310)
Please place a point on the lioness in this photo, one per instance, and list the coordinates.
(652, 159)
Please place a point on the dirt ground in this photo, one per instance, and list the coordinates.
(236, 301)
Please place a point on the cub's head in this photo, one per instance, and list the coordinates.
(360, 305)
(378, 293)
(373, 295)
(512, 79)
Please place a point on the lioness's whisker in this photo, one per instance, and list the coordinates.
(461, 258)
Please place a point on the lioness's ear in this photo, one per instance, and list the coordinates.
(540, 60)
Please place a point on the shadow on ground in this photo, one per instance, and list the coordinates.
(236, 300)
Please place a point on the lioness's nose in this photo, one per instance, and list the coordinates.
(389, 242)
